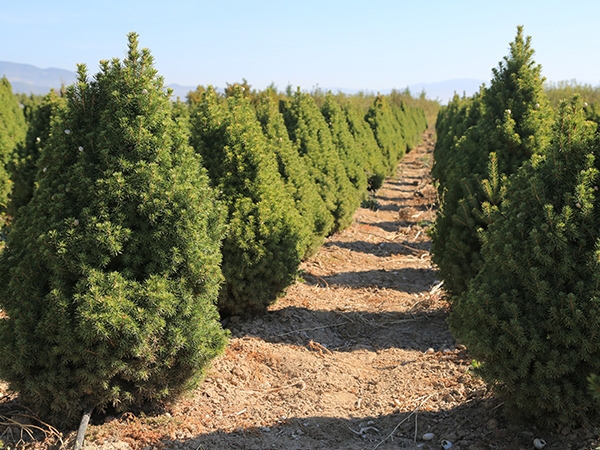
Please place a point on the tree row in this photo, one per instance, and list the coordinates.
(134, 223)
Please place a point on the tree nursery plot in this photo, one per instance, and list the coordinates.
(357, 355)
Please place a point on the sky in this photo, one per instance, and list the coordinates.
(371, 45)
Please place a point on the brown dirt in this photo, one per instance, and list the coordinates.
(357, 355)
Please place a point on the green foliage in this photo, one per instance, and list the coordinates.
(313, 141)
(24, 168)
(347, 148)
(387, 132)
(112, 269)
(532, 313)
(512, 122)
(12, 134)
(266, 237)
(374, 165)
(294, 173)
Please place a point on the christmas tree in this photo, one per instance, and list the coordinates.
(112, 267)
(514, 124)
(266, 236)
(531, 316)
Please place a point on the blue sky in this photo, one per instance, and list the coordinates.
(372, 45)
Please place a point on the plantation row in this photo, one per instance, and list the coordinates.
(516, 239)
(131, 222)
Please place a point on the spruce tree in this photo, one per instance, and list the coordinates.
(12, 133)
(24, 168)
(387, 133)
(365, 139)
(347, 147)
(294, 173)
(514, 124)
(264, 243)
(112, 268)
(313, 141)
(531, 316)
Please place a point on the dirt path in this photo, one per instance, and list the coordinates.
(357, 356)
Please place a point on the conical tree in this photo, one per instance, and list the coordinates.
(312, 139)
(347, 147)
(452, 123)
(24, 168)
(294, 173)
(112, 268)
(387, 133)
(264, 243)
(532, 314)
(12, 133)
(365, 139)
(514, 125)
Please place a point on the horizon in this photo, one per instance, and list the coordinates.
(346, 46)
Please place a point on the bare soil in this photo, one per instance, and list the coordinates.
(357, 355)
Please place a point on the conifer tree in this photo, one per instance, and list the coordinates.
(347, 148)
(264, 243)
(112, 268)
(24, 168)
(365, 139)
(531, 316)
(312, 139)
(294, 173)
(452, 122)
(514, 125)
(12, 134)
(387, 133)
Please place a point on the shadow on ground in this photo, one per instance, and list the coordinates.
(383, 248)
(408, 279)
(477, 424)
(349, 330)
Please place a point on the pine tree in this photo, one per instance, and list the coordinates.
(264, 243)
(294, 173)
(112, 268)
(12, 134)
(531, 316)
(514, 124)
(312, 139)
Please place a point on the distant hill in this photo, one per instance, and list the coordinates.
(445, 90)
(29, 79)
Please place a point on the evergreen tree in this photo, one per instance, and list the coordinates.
(452, 123)
(112, 268)
(294, 173)
(387, 133)
(531, 316)
(365, 139)
(24, 168)
(313, 141)
(514, 125)
(12, 134)
(347, 147)
(264, 243)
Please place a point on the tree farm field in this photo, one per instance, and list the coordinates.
(356, 355)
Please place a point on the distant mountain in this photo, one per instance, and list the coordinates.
(29, 79)
(445, 90)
